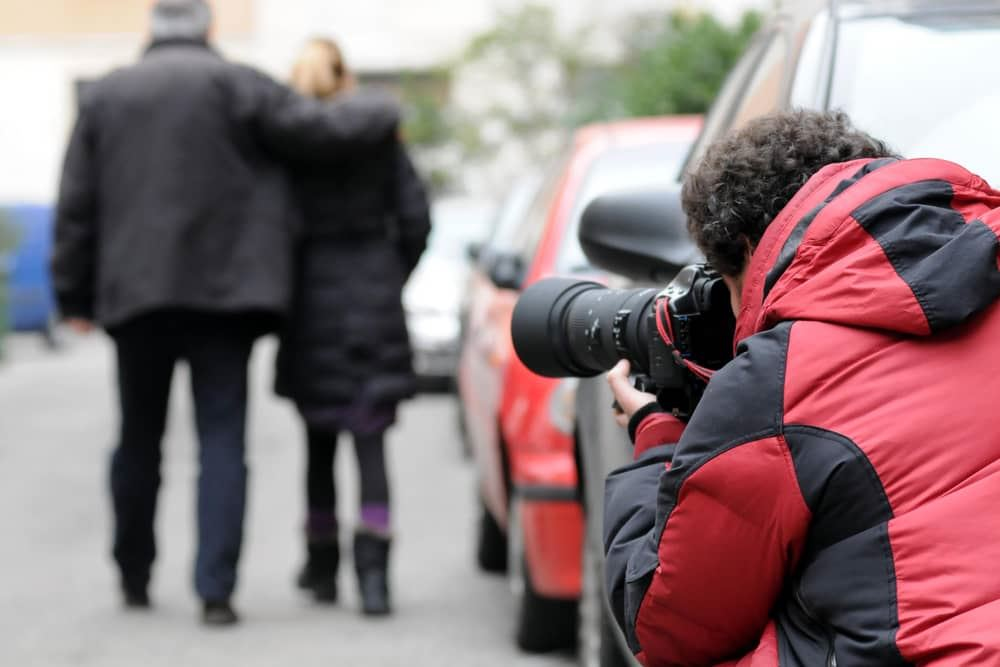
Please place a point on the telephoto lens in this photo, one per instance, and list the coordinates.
(570, 328)
(674, 339)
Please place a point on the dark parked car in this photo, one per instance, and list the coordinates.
(919, 74)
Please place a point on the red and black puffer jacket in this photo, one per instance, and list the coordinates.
(835, 498)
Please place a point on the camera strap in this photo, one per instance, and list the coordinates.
(666, 330)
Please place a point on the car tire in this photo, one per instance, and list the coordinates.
(491, 543)
(543, 624)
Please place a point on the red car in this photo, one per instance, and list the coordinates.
(520, 425)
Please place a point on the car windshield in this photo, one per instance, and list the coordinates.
(936, 96)
(619, 169)
(512, 211)
(458, 223)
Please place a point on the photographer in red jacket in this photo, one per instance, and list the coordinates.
(833, 499)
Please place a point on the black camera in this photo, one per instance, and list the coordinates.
(674, 339)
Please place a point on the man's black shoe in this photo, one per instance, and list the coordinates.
(320, 572)
(219, 614)
(138, 599)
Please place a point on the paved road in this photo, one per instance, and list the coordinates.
(58, 602)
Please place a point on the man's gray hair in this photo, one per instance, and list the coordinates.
(181, 19)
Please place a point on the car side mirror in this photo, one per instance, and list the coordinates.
(641, 235)
(506, 271)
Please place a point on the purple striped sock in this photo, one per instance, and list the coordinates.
(375, 517)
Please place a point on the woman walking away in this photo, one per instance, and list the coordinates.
(345, 354)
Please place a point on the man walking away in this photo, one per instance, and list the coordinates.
(175, 232)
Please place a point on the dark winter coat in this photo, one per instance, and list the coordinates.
(833, 500)
(345, 355)
(172, 194)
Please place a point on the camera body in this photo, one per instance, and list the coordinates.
(700, 326)
(673, 339)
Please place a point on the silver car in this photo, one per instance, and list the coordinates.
(829, 54)
(433, 296)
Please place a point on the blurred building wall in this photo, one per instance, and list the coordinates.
(88, 17)
(47, 46)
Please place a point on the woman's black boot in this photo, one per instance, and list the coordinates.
(320, 572)
(371, 561)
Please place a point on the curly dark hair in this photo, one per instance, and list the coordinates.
(748, 176)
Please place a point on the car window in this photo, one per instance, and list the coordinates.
(717, 121)
(936, 96)
(528, 234)
(813, 66)
(512, 212)
(619, 169)
(763, 92)
(458, 223)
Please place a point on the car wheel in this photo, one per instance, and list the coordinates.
(598, 635)
(491, 547)
(543, 624)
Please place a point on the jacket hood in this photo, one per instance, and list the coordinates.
(904, 246)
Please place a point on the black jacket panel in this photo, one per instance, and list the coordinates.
(346, 342)
(171, 195)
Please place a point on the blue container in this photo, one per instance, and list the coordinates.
(30, 299)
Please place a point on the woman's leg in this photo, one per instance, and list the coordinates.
(321, 496)
(374, 483)
(322, 543)
(371, 541)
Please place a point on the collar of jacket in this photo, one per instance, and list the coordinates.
(820, 186)
(178, 41)
(907, 247)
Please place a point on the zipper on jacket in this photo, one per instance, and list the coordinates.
(831, 658)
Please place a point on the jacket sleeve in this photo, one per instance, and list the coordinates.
(413, 216)
(296, 127)
(652, 426)
(700, 540)
(74, 258)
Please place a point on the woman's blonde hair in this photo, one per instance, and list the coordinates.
(320, 71)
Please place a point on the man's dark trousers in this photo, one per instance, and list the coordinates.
(217, 348)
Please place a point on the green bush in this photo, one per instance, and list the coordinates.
(674, 63)
(679, 63)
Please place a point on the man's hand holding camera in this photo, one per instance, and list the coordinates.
(628, 399)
